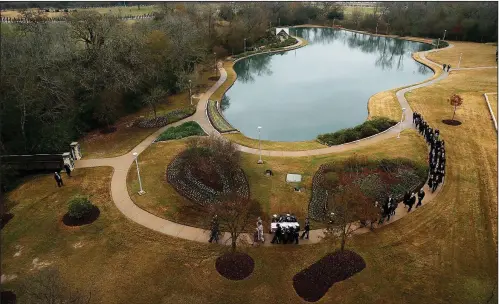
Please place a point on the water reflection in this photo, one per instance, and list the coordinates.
(320, 88)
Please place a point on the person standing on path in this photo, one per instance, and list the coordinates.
(445, 66)
(68, 170)
(421, 195)
(214, 229)
(277, 235)
(412, 201)
(306, 229)
(448, 68)
(260, 232)
(58, 179)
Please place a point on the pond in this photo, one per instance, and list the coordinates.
(320, 88)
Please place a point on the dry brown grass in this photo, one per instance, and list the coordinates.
(384, 104)
(474, 55)
(274, 145)
(274, 194)
(114, 10)
(126, 137)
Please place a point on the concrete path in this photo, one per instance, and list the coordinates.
(122, 163)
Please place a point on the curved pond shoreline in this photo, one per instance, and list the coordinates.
(249, 142)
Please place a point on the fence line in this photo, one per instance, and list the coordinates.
(490, 109)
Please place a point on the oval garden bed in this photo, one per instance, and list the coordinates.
(377, 179)
(207, 171)
(235, 266)
(312, 283)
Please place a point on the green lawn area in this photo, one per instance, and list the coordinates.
(273, 193)
(190, 128)
(126, 137)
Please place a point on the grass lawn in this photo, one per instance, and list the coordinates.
(474, 55)
(493, 103)
(274, 145)
(115, 10)
(126, 137)
(273, 193)
(384, 104)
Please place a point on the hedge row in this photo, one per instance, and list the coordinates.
(216, 119)
(368, 128)
(271, 47)
(190, 128)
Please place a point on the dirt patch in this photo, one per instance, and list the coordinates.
(214, 78)
(235, 266)
(6, 217)
(78, 245)
(70, 221)
(312, 283)
(19, 250)
(108, 130)
(7, 277)
(451, 122)
(8, 297)
(37, 265)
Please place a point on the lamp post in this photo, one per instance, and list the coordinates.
(459, 63)
(190, 91)
(401, 119)
(438, 42)
(445, 32)
(260, 161)
(135, 155)
(244, 45)
(279, 21)
(216, 70)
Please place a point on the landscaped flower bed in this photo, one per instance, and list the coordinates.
(368, 128)
(190, 128)
(376, 179)
(274, 46)
(217, 120)
(169, 118)
(200, 176)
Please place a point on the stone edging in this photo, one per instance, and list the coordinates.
(490, 109)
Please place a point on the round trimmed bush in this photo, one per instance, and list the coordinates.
(79, 207)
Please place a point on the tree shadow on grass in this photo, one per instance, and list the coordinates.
(451, 122)
(312, 283)
(71, 221)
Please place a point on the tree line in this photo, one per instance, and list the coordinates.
(60, 80)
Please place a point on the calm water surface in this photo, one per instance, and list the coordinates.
(322, 87)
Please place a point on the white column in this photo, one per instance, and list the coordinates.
(190, 91)
(459, 63)
(135, 155)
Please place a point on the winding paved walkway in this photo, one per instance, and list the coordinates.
(122, 164)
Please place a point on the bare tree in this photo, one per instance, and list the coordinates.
(47, 287)
(455, 100)
(155, 96)
(234, 213)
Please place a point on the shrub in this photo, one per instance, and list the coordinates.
(368, 128)
(190, 128)
(79, 207)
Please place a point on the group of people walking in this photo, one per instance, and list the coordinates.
(446, 67)
(436, 156)
(58, 177)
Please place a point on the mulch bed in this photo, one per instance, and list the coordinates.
(6, 217)
(71, 221)
(235, 266)
(451, 122)
(312, 283)
(8, 297)
(108, 130)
